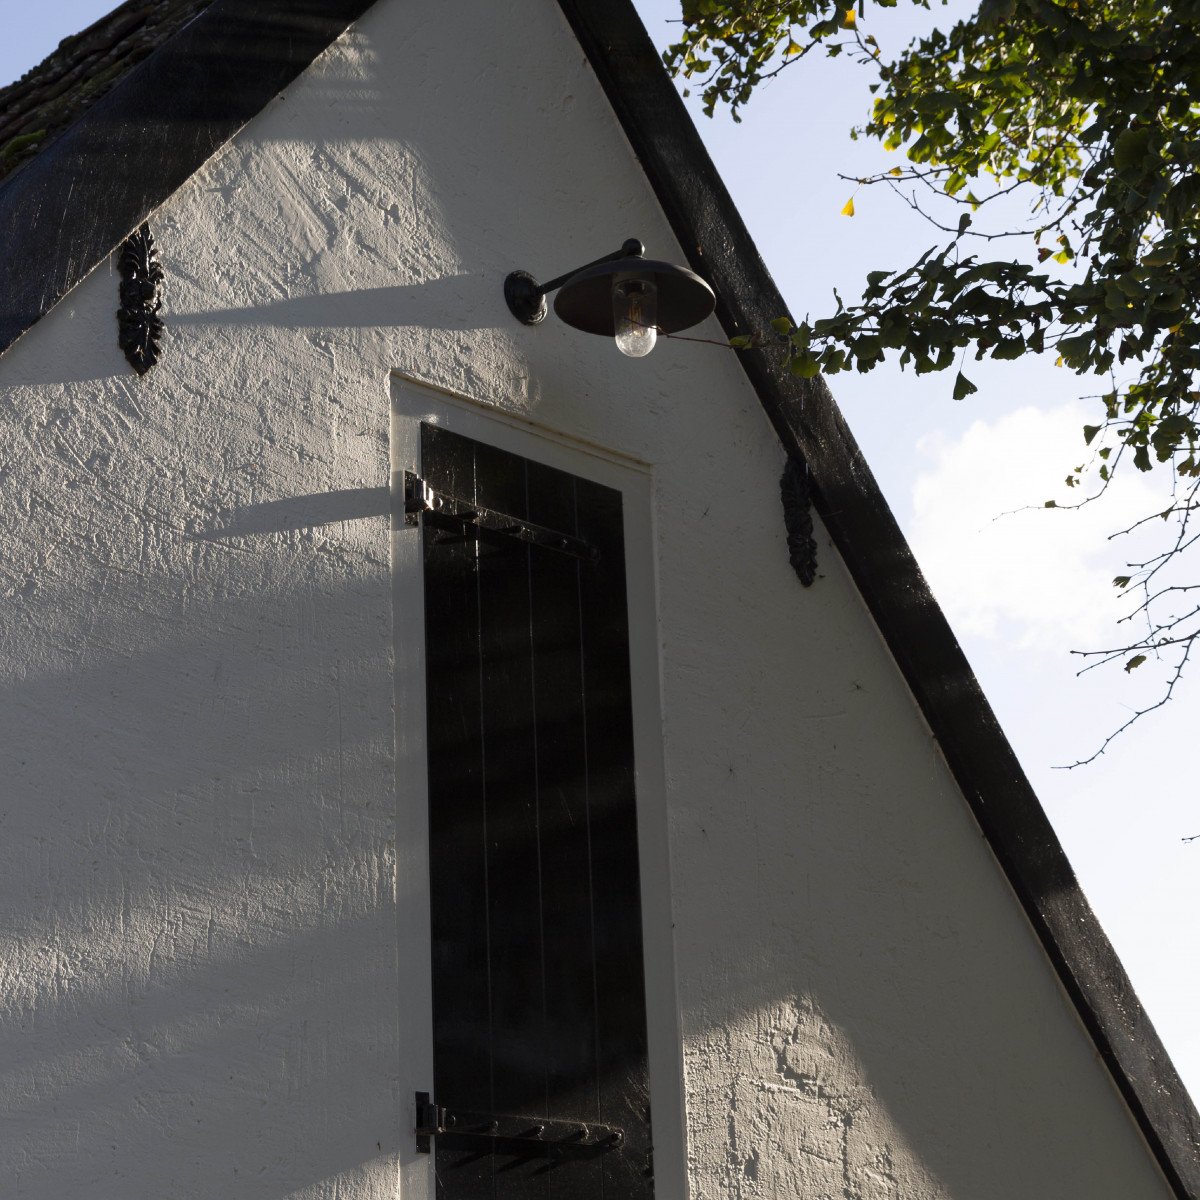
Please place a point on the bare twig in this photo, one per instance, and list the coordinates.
(1165, 698)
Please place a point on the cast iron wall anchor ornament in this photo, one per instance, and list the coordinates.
(140, 326)
(622, 296)
(797, 517)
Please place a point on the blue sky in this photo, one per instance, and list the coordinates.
(1021, 589)
(33, 31)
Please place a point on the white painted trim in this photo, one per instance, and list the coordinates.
(412, 403)
(414, 986)
(518, 421)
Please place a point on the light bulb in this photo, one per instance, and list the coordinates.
(635, 313)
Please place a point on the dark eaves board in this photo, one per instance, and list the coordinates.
(79, 198)
(64, 211)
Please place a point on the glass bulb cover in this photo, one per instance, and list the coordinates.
(635, 315)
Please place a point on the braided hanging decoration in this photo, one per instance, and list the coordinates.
(797, 516)
(139, 325)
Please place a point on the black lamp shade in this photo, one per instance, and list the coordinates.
(585, 300)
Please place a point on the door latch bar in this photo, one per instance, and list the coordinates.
(422, 501)
(525, 1137)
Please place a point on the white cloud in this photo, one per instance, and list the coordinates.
(1003, 566)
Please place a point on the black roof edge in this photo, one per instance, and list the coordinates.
(75, 202)
(805, 417)
(69, 206)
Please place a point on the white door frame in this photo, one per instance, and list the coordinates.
(413, 402)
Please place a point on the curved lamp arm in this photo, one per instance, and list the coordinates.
(527, 298)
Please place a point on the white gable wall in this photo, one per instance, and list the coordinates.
(201, 971)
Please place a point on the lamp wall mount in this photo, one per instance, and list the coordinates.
(527, 298)
(624, 296)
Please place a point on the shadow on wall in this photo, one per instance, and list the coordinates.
(199, 927)
(364, 308)
(199, 940)
(198, 936)
(300, 512)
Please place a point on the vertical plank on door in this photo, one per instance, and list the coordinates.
(457, 818)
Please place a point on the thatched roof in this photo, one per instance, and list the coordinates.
(50, 96)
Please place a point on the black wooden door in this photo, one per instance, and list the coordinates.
(538, 992)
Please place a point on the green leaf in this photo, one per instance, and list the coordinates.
(805, 366)
(1089, 433)
(743, 341)
(1009, 348)
(963, 387)
(1131, 147)
(782, 325)
(1134, 662)
(1160, 256)
(833, 361)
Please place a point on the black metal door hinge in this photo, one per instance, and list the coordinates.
(525, 1137)
(473, 521)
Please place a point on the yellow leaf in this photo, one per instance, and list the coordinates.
(1058, 362)
(895, 171)
(790, 49)
(848, 18)
(848, 209)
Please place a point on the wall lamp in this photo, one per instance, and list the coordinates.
(622, 296)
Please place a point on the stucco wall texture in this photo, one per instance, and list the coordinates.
(199, 963)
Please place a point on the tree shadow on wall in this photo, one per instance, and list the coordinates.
(197, 873)
(196, 877)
